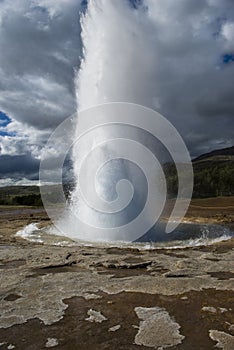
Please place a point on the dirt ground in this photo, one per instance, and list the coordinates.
(82, 297)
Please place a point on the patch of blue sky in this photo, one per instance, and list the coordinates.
(4, 132)
(228, 58)
(4, 119)
(4, 122)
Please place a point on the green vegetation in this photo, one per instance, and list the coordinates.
(30, 195)
(20, 195)
(214, 180)
(213, 177)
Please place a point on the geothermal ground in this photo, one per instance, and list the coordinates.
(116, 298)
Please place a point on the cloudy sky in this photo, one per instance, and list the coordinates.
(174, 56)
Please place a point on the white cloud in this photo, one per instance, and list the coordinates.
(40, 46)
(15, 182)
(228, 33)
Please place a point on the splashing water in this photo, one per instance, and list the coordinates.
(119, 56)
(120, 187)
(190, 235)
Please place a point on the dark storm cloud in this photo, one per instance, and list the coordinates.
(19, 166)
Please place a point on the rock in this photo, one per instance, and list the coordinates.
(213, 309)
(209, 309)
(95, 316)
(224, 340)
(158, 329)
(114, 328)
(223, 309)
(51, 342)
(90, 296)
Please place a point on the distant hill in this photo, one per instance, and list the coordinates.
(213, 174)
(217, 155)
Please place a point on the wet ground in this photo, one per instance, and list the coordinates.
(112, 298)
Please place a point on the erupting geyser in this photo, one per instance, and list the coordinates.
(120, 189)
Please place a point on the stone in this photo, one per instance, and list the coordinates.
(114, 328)
(224, 340)
(51, 342)
(209, 309)
(95, 316)
(157, 329)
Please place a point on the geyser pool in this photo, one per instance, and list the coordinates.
(187, 235)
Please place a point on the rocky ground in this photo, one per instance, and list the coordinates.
(115, 298)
